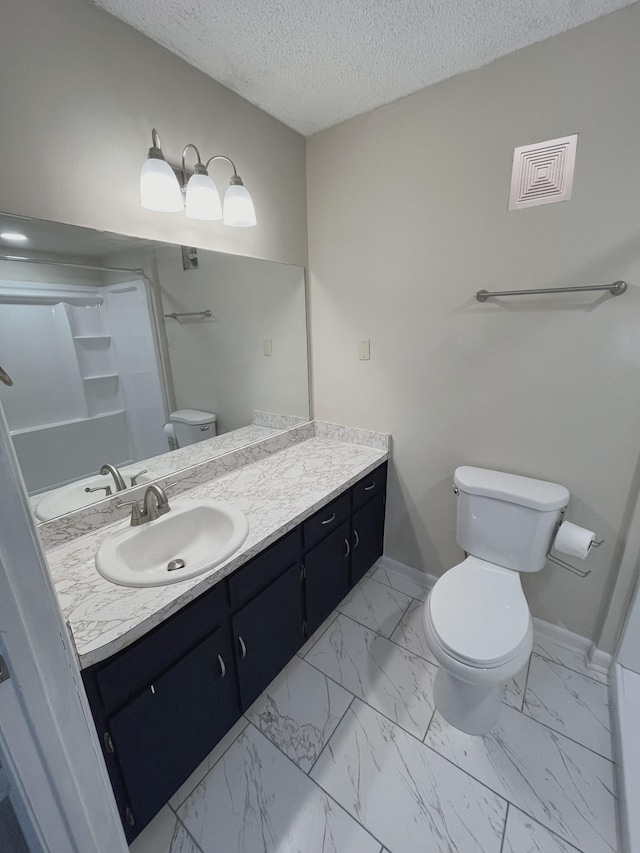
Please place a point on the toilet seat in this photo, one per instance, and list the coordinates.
(479, 613)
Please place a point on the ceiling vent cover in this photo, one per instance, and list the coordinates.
(543, 173)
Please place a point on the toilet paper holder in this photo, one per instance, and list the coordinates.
(582, 573)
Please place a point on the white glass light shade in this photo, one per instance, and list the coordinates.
(202, 199)
(159, 187)
(238, 207)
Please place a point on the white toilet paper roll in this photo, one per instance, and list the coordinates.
(169, 430)
(573, 540)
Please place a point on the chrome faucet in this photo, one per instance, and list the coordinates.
(117, 476)
(154, 504)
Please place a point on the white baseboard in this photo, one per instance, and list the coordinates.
(599, 660)
(624, 697)
(560, 635)
(422, 579)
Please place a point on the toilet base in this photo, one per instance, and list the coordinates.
(472, 708)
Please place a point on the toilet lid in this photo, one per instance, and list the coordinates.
(479, 612)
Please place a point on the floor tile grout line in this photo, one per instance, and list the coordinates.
(415, 583)
(186, 829)
(570, 668)
(368, 704)
(526, 684)
(429, 726)
(321, 635)
(376, 631)
(393, 588)
(503, 798)
(317, 758)
(216, 762)
(568, 737)
(406, 610)
(378, 634)
(317, 784)
(504, 828)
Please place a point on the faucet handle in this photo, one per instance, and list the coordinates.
(134, 477)
(136, 513)
(106, 489)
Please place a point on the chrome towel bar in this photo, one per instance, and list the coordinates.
(175, 315)
(615, 289)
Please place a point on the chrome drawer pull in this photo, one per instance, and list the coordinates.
(372, 486)
(329, 520)
(357, 542)
(346, 542)
(243, 648)
(223, 669)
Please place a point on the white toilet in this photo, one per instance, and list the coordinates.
(476, 618)
(192, 425)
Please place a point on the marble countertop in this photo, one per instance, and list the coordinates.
(275, 493)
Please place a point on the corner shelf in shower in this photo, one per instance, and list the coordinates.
(100, 376)
(92, 337)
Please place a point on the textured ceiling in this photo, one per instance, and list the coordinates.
(313, 64)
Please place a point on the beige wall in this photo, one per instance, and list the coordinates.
(79, 94)
(408, 217)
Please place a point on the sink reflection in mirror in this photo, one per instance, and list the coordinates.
(106, 337)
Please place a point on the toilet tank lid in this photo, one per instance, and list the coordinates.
(192, 416)
(537, 494)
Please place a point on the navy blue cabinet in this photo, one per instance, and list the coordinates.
(164, 733)
(162, 704)
(367, 528)
(268, 632)
(326, 569)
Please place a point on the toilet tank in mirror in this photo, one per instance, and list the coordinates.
(124, 351)
(505, 518)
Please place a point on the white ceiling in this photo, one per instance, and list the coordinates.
(314, 64)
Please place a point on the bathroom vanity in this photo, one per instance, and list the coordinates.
(177, 672)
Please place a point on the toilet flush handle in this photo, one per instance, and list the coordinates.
(456, 490)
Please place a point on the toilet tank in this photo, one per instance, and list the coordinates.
(192, 425)
(505, 518)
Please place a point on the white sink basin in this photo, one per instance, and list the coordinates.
(72, 497)
(200, 534)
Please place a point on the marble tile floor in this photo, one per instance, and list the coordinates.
(344, 752)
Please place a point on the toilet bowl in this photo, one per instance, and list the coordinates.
(478, 627)
(476, 619)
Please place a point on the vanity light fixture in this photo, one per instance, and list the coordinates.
(161, 191)
(13, 236)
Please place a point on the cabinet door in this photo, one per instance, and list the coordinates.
(327, 576)
(367, 528)
(161, 736)
(267, 633)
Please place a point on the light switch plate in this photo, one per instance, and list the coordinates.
(266, 346)
(364, 350)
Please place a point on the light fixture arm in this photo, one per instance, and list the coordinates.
(236, 179)
(155, 152)
(198, 169)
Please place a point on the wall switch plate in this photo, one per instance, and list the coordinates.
(364, 350)
(266, 346)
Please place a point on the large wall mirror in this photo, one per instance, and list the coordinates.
(140, 355)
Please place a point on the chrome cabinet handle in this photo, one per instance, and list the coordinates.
(372, 486)
(223, 669)
(357, 538)
(329, 520)
(346, 542)
(243, 648)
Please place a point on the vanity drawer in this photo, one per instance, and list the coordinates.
(326, 520)
(145, 660)
(369, 486)
(249, 580)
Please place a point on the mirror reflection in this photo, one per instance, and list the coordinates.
(130, 358)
